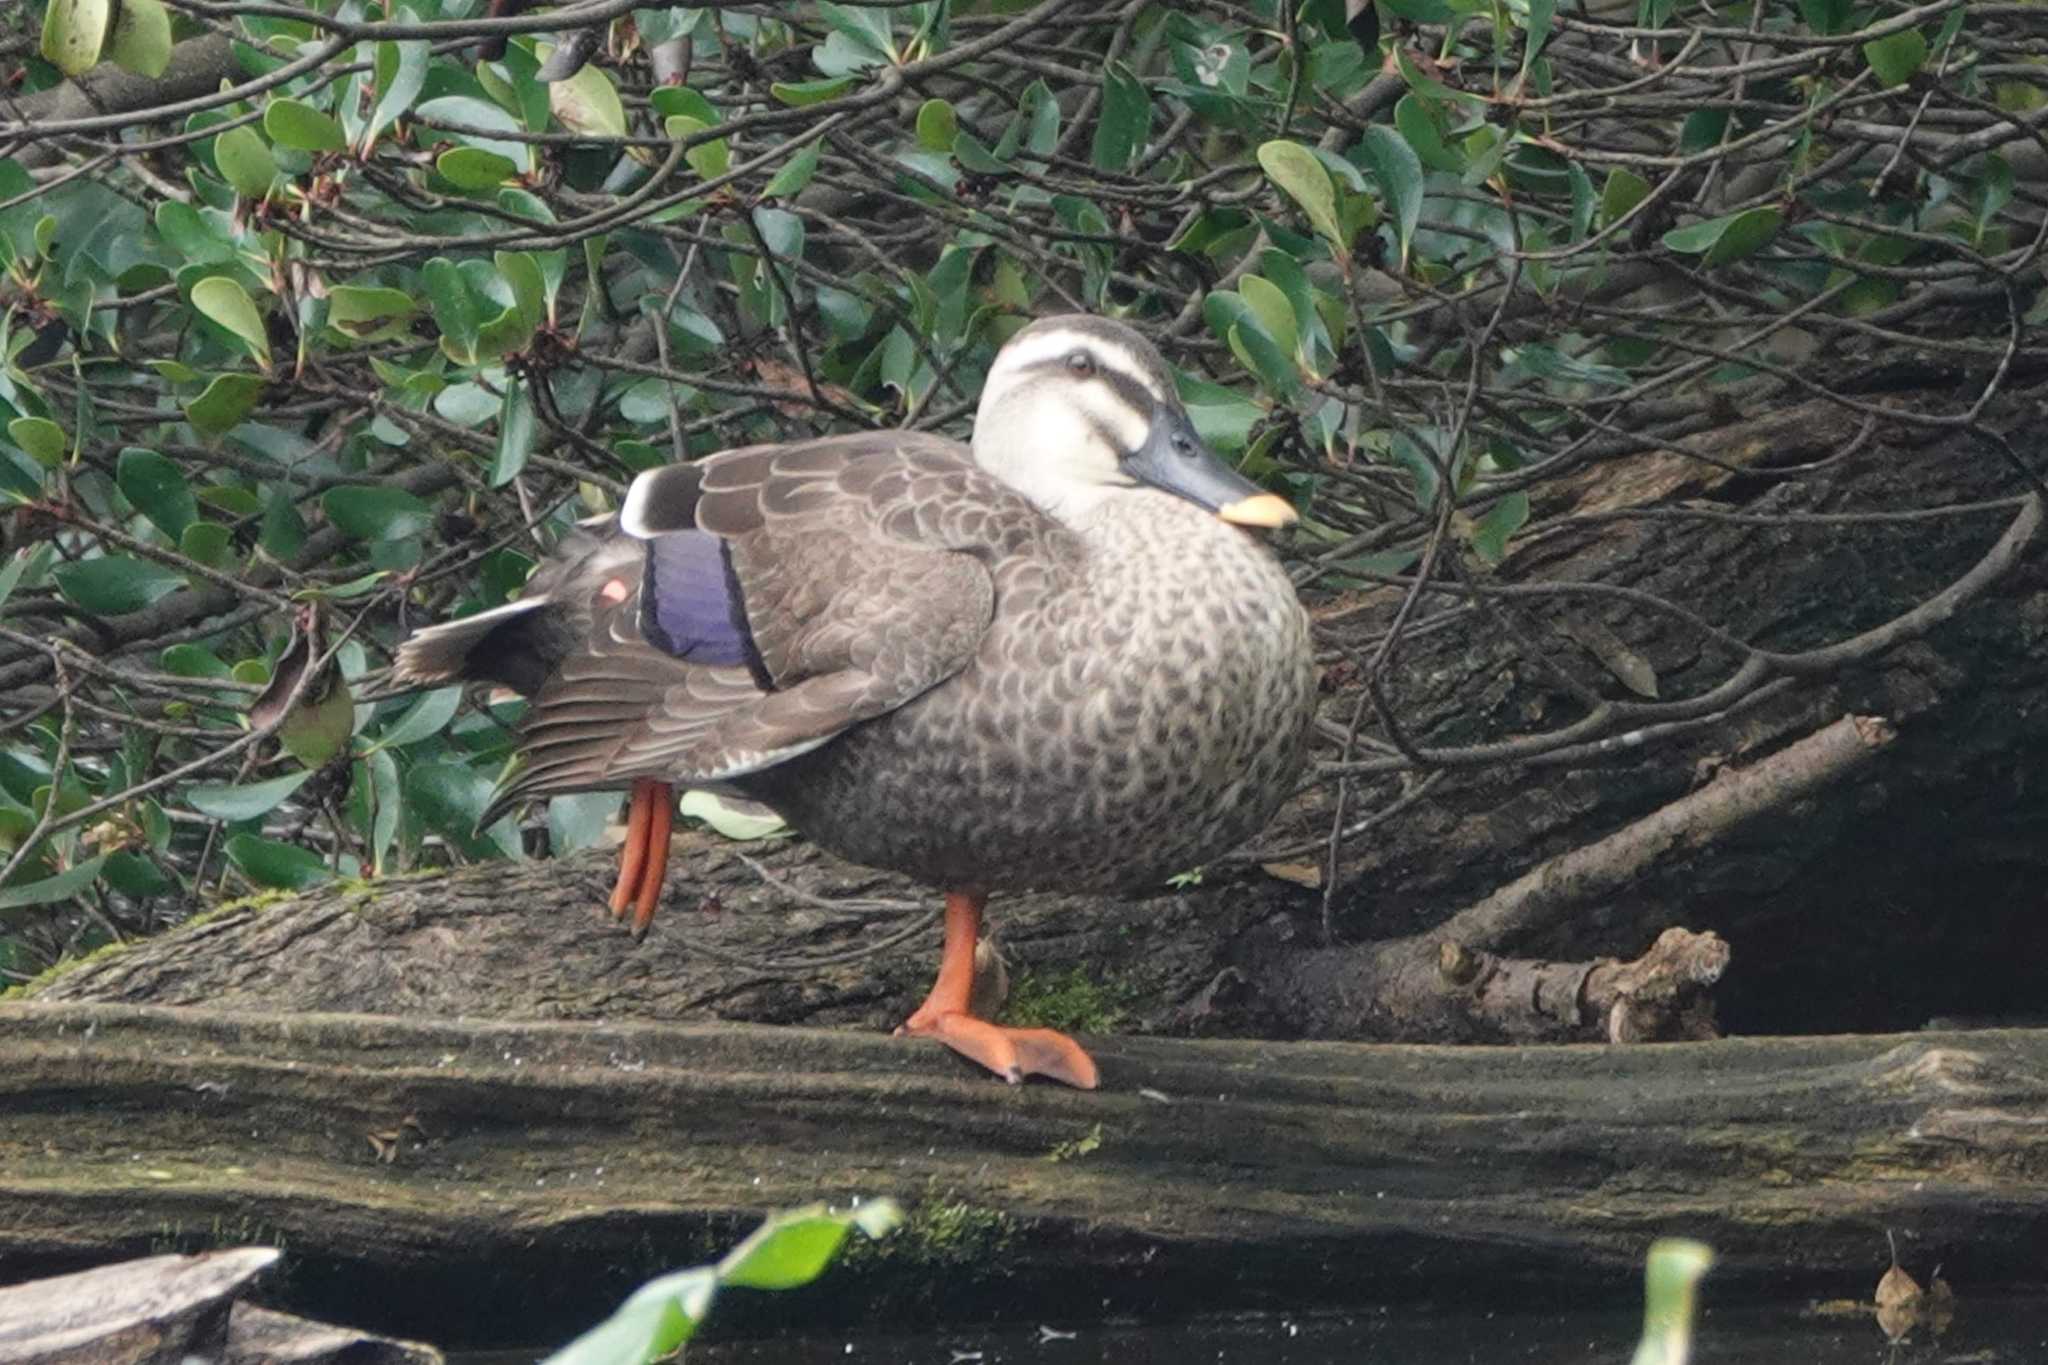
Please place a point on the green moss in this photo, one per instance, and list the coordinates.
(1070, 1001)
(941, 1233)
(262, 900)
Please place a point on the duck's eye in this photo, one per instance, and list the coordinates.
(1081, 364)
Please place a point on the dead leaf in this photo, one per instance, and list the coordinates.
(782, 377)
(1898, 1298)
(1301, 874)
(1631, 668)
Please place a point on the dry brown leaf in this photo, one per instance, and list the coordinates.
(1301, 874)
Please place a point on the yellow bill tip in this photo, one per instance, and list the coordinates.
(1260, 509)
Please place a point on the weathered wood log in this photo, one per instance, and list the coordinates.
(177, 1308)
(533, 1173)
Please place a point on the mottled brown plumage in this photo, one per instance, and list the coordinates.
(1022, 666)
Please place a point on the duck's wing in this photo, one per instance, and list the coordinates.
(782, 594)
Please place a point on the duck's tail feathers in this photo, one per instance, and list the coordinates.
(495, 646)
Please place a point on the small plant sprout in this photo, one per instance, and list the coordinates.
(1674, 1271)
(790, 1249)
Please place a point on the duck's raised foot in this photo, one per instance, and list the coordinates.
(643, 862)
(1012, 1053)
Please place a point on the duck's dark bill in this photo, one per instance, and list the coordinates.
(1175, 460)
(1261, 509)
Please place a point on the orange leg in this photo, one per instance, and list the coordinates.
(643, 862)
(1012, 1053)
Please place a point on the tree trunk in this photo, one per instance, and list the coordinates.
(532, 1173)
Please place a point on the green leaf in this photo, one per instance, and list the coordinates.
(376, 513)
(194, 661)
(450, 797)
(41, 438)
(579, 820)
(456, 311)
(795, 173)
(423, 719)
(298, 125)
(141, 41)
(936, 125)
(401, 69)
(1398, 173)
(1272, 307)
(226, 401)
(1490, 533)
(1295, 169)
(728, 818)
(655, 1323)
(589, 103)
(49, 890)
(245, 162)
(113, 585)
(11, 573)
(473, 168)
(133, 875)
(800, 94)
(75, 32)
(208, 543)
(1622, 192)
(1825, 17)
(517, 428)
(1896, 57)
(1125, 120)
(270, 863)
(1669, 1285)
(228, 304)
(156, 484)
(1542, 15)
(368, 313)
(227, 801)
(1727, 238)
(784, 1252)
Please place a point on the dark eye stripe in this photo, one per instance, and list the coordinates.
(1131, 392)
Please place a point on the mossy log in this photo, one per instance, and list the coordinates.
(509, 1179)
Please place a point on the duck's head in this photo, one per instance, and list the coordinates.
(1078, 409)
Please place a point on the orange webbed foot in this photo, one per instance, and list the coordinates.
(643, 861)
(1012, 1053)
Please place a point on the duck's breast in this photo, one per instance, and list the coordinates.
(1133, 712)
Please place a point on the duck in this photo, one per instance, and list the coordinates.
(1061, 657)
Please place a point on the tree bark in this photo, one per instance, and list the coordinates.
(536, 1172)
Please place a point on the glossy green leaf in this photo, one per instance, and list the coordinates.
(518, 429)
(589, 103)
(1825, 17)
(1490, 533)
(456, 311)
(318, 728)
(246, 801)
(245, 162)
(1622, 192)
(227, 400)
(50, 890)
(791, 177)
(194, 661)
(729, 818)
(14, 569)
(193, 234)
(424, 719)
(1397, 171)
(208, 543)
(135, 876)
(111, 585)
(936, 125)
(1670, 1284)
(43, 439)
(1272, 307)
(229, 305)
(141, 40)
(1727, 238)
(1295, 169)
(376, 513)
(75, 32)
(157, 486)
(368, 313)
(784, 1252)
(473, 168)
(270, 863)
(298, 125)
(450, 797)
(1124, 121)
(801, 94)
(1897, 57)
(401, 71)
